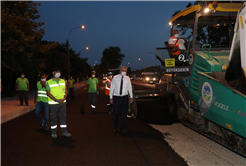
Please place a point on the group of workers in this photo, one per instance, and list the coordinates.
(51, 97)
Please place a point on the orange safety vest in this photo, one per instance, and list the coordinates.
(107, 91)
(174, 41)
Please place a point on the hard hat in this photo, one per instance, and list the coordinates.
(110, 73)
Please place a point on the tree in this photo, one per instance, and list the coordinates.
(21, 39)
(111, 58)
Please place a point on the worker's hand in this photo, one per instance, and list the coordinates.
(16, 89)
(59, 101)
(35, 101)
(131, 100)
(111, 101)
(97, 92)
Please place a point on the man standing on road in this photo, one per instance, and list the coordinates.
(121, 87)
(41, 99)
(93, 90)
(107, 91)
(57, 93)
(71, 83)
(22, 86)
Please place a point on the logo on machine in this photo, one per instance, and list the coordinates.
(207, 93)
(181, 57)
(190, 59)
(186, 81)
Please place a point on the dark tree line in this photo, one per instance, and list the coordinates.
(23, 50)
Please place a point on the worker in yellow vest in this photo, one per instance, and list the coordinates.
(71, 83)
(41, 99)
(107, 91)
(57, 93)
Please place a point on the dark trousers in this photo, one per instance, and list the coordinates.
(92, 100)
(71, 92)
(120, 102)
(23, 93)
(55, 111)
(109, 106)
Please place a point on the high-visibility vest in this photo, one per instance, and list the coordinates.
(107, 91)
(57, 90)
(42, 95)
(177, 43)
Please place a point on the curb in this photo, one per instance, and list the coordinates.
(16, 114)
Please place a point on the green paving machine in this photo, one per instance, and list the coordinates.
(207, 83)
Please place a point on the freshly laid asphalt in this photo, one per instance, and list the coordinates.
(92, 141)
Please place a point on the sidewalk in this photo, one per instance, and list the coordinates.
(10, 106)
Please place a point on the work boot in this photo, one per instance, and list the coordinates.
(41, 125)
(66, 134)
(54, 135)
(46, 127)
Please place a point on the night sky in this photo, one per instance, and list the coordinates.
(136, 27)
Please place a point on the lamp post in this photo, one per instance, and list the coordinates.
(82, 27)
(155, 59)
(86, 48)
(143, 61)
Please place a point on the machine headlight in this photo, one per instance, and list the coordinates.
(147, 78)
(153, 78)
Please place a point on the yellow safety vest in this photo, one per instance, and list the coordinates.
(42, 95)
(58, 90)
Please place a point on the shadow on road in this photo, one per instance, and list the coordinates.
(64, 142)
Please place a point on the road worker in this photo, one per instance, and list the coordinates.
(71, 83)
(93, 90)
(57, 93)
(41, 99)
(22, 86)
(107, 91)
(174, 43)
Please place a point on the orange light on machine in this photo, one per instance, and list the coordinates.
(192, 102)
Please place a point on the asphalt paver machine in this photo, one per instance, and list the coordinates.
(207, 81)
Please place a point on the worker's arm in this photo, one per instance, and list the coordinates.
(50, 95)
(64, 98)
(173, 45)
(28, 87)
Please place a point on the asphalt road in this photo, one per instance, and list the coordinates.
(92, 141)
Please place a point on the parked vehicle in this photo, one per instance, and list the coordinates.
(149, 77)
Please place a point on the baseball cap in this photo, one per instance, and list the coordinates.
(110, 73)
(93, 72)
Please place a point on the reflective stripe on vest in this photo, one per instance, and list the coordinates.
(42, 95)
(58, 90)
(174, 41)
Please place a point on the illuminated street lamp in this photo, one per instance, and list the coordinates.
(86, 48)
(82, 27)
(142, 60)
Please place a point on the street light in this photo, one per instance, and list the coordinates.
(143, 61)
(86, 48)
(82, 27)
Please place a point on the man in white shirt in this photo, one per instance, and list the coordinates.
(121, 87)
